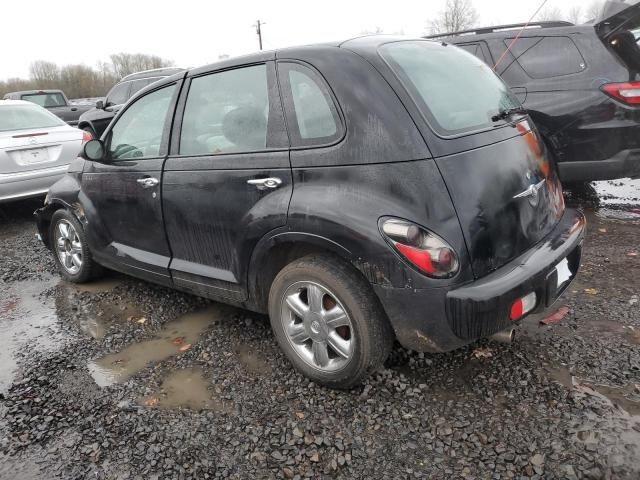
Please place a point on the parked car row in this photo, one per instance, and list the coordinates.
(36, 147)
(53, 100)
(376, 189)
(579, 83)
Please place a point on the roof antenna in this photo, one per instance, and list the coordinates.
(513, 42)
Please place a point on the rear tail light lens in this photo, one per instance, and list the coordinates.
(522, 306)
(421, 248)
(86, 136)
(628, 93)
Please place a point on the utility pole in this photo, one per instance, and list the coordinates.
(259, 32)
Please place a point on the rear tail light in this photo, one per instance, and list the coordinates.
(86, 136)
(628, 93)
(423, 249)
(522, 306)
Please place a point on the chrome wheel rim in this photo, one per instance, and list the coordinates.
(68, 247)
(317, 326)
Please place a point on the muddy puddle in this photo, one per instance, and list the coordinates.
(27, 319)
(177, 337)
(187, 388)
(611, 199)
(624, 399)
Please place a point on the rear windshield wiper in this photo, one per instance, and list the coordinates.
(505, 113)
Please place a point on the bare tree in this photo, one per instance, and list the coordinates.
(550, 14)
(372, 31)
(44, 73)
(457, 15)
(575, 15)
(79, 80)
(126, 63)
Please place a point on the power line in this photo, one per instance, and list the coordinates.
(504, 54)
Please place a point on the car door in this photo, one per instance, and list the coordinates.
(228, 180)
(124, 193)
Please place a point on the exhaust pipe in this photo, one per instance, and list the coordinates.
(505, 336)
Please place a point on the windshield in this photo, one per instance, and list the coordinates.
(454, 90)
(25, 117)
(46, 100)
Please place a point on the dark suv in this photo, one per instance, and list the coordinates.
(95, 121)
(579, 83)
(359, 192)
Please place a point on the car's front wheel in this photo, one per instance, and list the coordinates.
(70, 248)
(328, 321)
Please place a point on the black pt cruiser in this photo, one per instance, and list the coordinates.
(356, 192)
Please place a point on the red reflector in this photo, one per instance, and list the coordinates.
(86, 136)
(628, 92)
(25, 135)
(420, 258)
(516, 310)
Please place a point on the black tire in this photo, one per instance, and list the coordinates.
(369, 325)
(89, 269)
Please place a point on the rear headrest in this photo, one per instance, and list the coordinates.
(245, 127)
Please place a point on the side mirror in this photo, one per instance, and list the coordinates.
(94, 150)
(100, 105)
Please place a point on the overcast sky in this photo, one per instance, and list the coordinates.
(196, 32)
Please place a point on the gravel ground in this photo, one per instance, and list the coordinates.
(218, 399)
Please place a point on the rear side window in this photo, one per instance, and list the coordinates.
(547, 57)
(226, 112)
(455, 91)
(312, 116)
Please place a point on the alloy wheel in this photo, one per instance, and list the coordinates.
(317, 326)
(68, 247)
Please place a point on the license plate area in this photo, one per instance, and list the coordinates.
(34, 156)
(562, 275)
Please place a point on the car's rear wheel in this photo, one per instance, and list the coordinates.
(328, 321)
(70, 248)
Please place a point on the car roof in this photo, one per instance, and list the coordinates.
(508, 31)
(156, 72)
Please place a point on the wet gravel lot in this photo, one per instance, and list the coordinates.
(121, 379)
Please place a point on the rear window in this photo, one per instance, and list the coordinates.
(46, 100)
(454, 90)
(25, 117)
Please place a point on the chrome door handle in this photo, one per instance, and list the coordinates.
(148, 182)
(265, 183)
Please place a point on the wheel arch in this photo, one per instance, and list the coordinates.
(273, 253)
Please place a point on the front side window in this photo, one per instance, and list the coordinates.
(138, 132)
(26, 117)
(226, 112)
(455, 91)
(312, 116)
(119, 94)
(46, 100)
(474, 49)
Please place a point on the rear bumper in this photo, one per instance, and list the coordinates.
(442, 319)
(624, 164)
(14, 186)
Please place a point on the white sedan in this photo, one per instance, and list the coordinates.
(36, 148)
